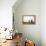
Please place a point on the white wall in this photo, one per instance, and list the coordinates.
(43, 22)
(29, 7)
(38, 31)
(6, 13)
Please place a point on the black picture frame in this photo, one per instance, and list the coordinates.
(29, 19)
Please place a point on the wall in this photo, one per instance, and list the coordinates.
(29, 7)
(6, 13)
(43, 22)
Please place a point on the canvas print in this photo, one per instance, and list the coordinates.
(29, 19)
